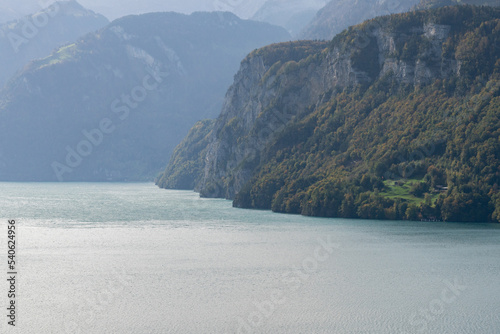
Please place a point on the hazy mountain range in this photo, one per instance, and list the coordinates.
(113, 9)
(152, 76)
(36, 35)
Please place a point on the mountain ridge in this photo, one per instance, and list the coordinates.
(153, 75)
(38, 34)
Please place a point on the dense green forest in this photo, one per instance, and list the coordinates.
(386, 149)
(390, 151)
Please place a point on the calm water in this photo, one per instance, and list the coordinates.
(131, 258)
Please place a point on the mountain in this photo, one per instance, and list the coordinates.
(113, 105)
(37, 35)
(293, 15)
(114, 9)
(396, 118)
(337, 15)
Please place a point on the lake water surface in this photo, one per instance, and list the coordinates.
(132, 258)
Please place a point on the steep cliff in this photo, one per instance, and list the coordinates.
(330, 131)
(268, 94)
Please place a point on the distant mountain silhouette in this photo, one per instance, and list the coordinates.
(113, 105)
(36, 35)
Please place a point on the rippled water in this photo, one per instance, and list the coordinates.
(131, 258)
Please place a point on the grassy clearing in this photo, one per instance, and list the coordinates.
(401, 189)
(66, 52)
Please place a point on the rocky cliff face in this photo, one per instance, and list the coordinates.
(264, 97)
(268, 94)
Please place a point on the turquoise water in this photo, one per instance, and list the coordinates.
(132, 258)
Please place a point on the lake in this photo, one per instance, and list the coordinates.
(132, 258)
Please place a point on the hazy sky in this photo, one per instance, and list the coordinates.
(117, 8)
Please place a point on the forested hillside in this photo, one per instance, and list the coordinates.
(399, 118)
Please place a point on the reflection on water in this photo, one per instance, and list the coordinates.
(131, 258)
